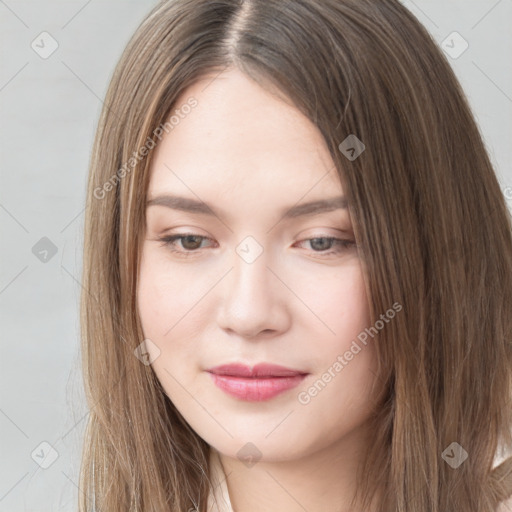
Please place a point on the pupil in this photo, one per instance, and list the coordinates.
(326, 245)
(188, 238)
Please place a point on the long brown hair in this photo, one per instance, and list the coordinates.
(430, 221)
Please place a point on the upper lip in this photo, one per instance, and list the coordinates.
(258, 370)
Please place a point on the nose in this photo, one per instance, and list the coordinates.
(253, 302)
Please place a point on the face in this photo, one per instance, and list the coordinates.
(255, 278)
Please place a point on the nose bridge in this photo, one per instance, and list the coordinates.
(250, 277)
(252, 300)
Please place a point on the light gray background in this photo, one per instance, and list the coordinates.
(48, 114)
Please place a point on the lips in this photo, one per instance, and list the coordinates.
(261, 370)
(260, 382)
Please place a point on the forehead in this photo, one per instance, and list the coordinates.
(238, 139)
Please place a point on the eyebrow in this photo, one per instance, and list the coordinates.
(200, 207)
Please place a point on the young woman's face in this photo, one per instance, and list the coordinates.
(249, 284)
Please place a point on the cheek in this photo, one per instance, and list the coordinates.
(339, 392)
(347, 360)
(341, 304)
(352, 307)
(171, 311)
(158, 301)
(163, 295)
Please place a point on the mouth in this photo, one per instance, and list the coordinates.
(257, 383)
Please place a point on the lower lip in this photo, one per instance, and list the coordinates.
(256, 389)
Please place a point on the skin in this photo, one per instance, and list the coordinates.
(250, 156)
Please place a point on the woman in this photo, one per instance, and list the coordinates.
(298, 270)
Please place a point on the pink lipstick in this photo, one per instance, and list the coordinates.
(261, 382)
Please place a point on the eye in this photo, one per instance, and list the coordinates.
(323, 244)
(191, 244)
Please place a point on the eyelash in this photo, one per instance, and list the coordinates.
(169, 241)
